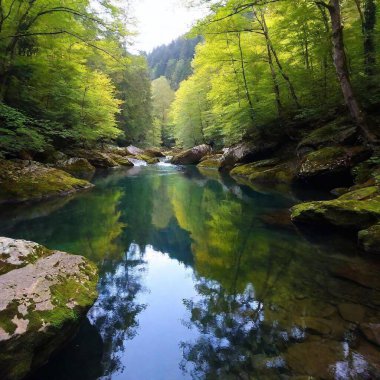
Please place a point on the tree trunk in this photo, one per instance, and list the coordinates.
(340, 62)
(369, 43)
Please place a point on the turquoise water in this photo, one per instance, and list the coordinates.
(203, 278)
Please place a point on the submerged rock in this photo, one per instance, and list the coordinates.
(44, 295)
(370, 239)
(192, 156)
(29, 180)
(78, 167)
(331, 167)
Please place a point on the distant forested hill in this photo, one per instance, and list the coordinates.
(174, 60)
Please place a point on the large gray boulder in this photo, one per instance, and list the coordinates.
(192, 156)
(44, 296)
(247, 152)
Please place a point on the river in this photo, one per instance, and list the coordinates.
(203, 278)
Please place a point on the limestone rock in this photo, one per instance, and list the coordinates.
(192, 156)
(44, 295)
(28, 180)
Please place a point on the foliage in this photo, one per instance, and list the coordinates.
(270, 62)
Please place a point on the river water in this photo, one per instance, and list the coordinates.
(203, 278)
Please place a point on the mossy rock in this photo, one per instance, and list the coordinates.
(96, 158)
(27, 180)
(336, 132)
(355, 210)
(78, 167)
(210, 162)
(147, 159)
(45, 295)
(265, 172)
(121, 160)
(153, 152)
(192, 156)
(369, 239)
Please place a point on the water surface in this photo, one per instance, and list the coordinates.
(202, 278)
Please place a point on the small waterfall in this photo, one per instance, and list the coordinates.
(165, 161)
(137, 162)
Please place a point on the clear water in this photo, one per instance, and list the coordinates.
(202, 278)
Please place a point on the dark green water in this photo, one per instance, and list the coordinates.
(202, 278)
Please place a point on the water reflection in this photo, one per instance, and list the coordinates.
(202, 278)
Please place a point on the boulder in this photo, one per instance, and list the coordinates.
(369, 239)
(267, 172)
(330, 167)
(210, 161)
(148, 159)
(334, 133)
(120, 160)
(152, 152)
(192, 156)
(44, 296)
(355, 210)
(371, 331)
(78, 167)
(27, 180)
(95, 157)
(133, 150)
(248, 151)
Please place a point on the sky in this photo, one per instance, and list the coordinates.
(161, 21)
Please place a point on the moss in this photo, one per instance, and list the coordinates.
(361, 194)
(19, 183)
(6, 317)
(148, 159)
(210, 163)
(346, 213)
(263, 172)
(370, 239)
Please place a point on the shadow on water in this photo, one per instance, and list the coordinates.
(203, 278)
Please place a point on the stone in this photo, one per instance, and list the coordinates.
(371, 331)
(330, 167)
(192, 156)
(247, 152)
(315, 358)
(153, 152)
(78, 167)
(28, 180)
(352, 312)
(44, 296)
(210, 162)
(96, 158)
(134, 151)
(331, 134)
(266, 173)
(120, 160)
(369, 239)
(148, 159)
(355, 210)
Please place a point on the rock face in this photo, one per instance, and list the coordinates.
(246, 152)
(331, 166)
(370, 239)
(28, 180)
(44, 295)
(355, 210)
(78, 167)
(192, 156)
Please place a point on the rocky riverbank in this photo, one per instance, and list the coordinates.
(44, 296)
(53, 174)
(329, 156)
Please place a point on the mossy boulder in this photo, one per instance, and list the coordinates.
(192, 156)
(120, 160)
(78, 167)
(210, 162)
(267, 171)
(334, 133)
(331, 166)
(44, 296)
(27, 180)
(96, 158)
(147, 159)
(153, 152)
(369, 239)
(356, 210)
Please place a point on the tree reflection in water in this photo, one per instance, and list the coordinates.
(116, 310)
